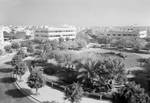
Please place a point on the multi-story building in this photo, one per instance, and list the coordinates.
(52, 33)
(122, 34)
(123, 31)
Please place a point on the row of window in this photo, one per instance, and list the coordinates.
(55, 31)
(69, 35)
(121, 34)
(52, 35)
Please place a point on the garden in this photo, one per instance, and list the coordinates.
(78, 72)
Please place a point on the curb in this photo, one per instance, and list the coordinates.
(24, 92)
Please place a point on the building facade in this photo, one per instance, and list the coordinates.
(53, 33)
(1, 37)
(122, 34)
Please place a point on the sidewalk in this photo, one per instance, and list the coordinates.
(47, 93)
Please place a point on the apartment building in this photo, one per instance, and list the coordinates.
(52, 33)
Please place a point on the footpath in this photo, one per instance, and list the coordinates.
(47, 93)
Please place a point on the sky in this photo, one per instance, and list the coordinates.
(75, 12)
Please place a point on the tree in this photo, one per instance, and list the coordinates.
(47, 47)
(130, 93)
(86, 70)
(8, 48)
(84, 34)
(20, 69)
(120, 43)
(30, 49)
(16, 59)
(21, 53)
(147, 46)
(36, 80)
(54, 44)
(61, 39)
(138, 43)
(97, 74)
(74, 93)
(26, 43)
(15, 45)
(81, 43)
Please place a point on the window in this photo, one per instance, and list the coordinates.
(108, 34)
(124, 34)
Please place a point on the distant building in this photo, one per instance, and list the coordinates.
(143, 34)
(122, 31)
(1, 37)
(52, 33)
(122, 34)
(14, 35)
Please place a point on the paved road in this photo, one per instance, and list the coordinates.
(8, 91)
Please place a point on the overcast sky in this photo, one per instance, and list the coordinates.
(75, 12)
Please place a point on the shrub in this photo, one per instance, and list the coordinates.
(30, 49)
(21, 53)
(15, 45)
(26, 43)
(49, 102)
(130, 93)
(1, 52)
(16, 59)
(74, 93)
(8, 49)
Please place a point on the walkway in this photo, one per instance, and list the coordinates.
(8, 91)
(47, 93)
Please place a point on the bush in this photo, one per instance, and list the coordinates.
(30, 49)
(74, 93)
(16, 59)
(49, 102)
(8, 49)
(1, 52)
(21, 53)
(15, 45)
(26, 43)
(130, 93)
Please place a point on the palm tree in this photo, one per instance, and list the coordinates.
(86, 69)
(74, 93)
(97, 74)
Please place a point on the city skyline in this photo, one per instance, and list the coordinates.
(75, 12)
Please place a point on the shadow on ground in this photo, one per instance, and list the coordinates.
(6, 70)
(8, 80)
(9, 63)
(15, 93)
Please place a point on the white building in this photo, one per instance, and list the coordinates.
(52, 33)
(1, 37)
(143, 34)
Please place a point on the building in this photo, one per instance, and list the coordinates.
(1, 37)
(123, 31)
(52, 33)
(122, 34)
